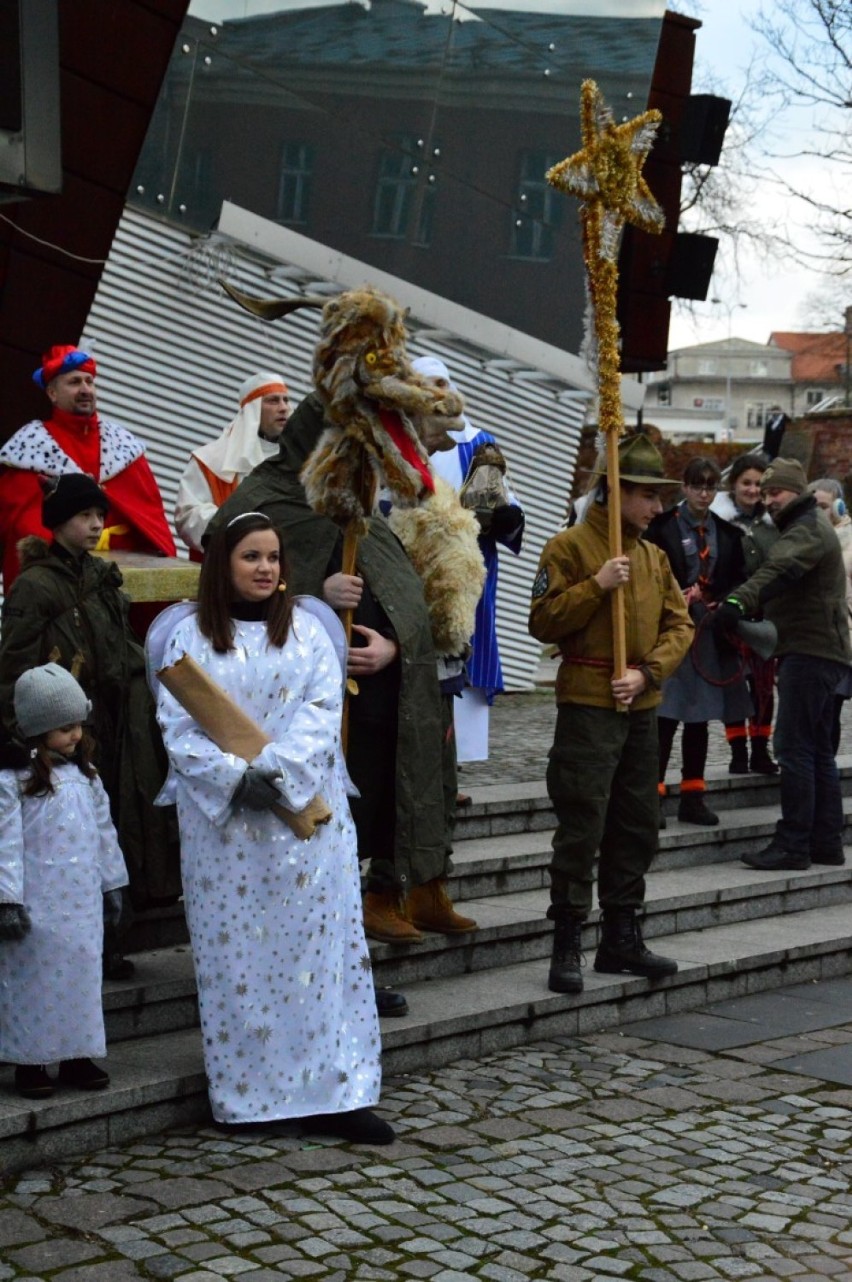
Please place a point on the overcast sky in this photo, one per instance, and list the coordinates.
(773, 293)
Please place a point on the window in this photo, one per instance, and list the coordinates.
(294, 182)
(758, 413)
(404, 205)
(664, 394)
(813, 396)
(537, 210)
(758, 369)
(707, 367)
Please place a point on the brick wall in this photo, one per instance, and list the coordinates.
(675, 457)
(821, 442)
(823, 445)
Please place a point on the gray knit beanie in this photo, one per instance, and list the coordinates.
(47, 698)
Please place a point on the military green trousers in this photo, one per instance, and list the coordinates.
(602, 780)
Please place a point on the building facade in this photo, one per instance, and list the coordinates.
(728, 390)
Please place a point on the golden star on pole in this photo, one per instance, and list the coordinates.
(607, 176)
(608, 169)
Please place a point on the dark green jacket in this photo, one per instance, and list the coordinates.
(801, 586)
(72, 611)
(310, 543)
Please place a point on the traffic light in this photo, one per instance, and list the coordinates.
(653, 269)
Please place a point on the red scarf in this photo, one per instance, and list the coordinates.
(392, 424)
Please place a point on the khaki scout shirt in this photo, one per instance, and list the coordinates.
(570, 610)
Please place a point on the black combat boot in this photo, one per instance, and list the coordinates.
(692, 809)
(761, 762)
(621, 950)
(738, 765)
(567, 959)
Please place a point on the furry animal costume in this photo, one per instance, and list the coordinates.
(442, 541)
(371, 401)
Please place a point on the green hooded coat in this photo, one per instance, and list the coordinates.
(72, 611)
(311, 544)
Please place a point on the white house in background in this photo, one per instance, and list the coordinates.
(720, 391)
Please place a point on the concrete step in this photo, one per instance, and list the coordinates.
(500, 809)
(507, 863)
(513, 928)
(158, 1081)
(476, 1014)
(155, 1083)
(511, 863)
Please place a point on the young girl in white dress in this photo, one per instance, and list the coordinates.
(285, 992)
(61, 873)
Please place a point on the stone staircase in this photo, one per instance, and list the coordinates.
(732, 930)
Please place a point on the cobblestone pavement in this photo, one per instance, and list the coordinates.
(672, 1151)
(573, 1160)
(521, 732)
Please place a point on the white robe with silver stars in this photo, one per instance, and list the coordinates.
(58, 854)
(285, 988)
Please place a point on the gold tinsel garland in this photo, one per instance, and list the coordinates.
(607, 176)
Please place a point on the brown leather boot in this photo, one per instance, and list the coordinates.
(384, 920)
(429, 906)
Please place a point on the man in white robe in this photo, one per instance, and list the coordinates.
(215, 470)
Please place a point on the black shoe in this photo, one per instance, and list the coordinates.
(358, 1126)
(834, 859)
(389, 1004)
(761, 762)
(118, 967)
(83, 1074)
(738, 765)
(692, 810)
(567, 958)
(774, 856)
(623, 952)
(662, 822)
(32, 1081)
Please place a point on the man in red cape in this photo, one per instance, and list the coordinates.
(77, 439)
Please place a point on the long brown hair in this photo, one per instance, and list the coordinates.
(40, 783)
(215, 593)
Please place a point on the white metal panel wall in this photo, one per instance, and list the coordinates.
(172, 351)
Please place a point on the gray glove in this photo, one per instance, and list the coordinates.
(116, 910)
(256, 790)
(14, 922)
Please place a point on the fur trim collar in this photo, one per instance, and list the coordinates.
(33, 449)
(32, 549)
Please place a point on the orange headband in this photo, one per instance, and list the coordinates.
(266, 390)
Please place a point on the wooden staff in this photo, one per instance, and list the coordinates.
(351, 540)
(619, 633)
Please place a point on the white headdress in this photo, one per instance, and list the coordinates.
(239, 449)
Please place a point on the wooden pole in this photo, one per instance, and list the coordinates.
(619, 634)
(351, 539)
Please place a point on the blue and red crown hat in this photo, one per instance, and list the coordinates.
(62, 360)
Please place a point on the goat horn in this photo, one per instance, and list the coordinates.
(270, 309)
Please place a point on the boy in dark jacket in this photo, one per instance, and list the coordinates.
(67, 607)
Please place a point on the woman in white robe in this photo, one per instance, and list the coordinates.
(285, 989)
